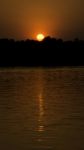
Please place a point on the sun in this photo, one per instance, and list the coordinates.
(40, 37)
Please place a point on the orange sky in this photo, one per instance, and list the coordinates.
(22, 19)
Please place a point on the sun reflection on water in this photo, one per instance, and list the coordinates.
(41, 114)
(41, 127)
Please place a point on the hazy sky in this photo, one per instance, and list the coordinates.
(21, 19)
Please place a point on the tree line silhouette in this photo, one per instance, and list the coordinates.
(50, 52)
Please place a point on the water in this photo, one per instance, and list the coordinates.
(42, 109)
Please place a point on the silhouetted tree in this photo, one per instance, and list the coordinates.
(49, 52)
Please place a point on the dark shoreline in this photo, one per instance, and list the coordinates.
(50, 52)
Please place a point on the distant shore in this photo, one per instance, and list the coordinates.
(50, 52)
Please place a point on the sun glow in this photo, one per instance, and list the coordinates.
(40, 37)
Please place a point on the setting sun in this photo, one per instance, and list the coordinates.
(40, 37)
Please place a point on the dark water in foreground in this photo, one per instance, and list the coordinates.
(42, 109)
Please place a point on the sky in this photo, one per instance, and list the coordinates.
(22, 19)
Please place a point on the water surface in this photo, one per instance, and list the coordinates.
(42, 109)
